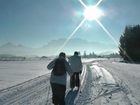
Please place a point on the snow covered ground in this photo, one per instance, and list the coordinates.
(104, 88)
(126, 74)
(15, 72)
(103, 82)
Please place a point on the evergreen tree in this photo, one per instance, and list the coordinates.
(130, 43)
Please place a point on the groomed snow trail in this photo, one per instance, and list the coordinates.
(98, 87)
(32, 92)
(102, 89)
(36, 91)
(73, 96)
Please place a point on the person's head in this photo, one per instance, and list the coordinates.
(76, 53)
(62, 55)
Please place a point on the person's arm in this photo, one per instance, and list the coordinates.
(51, 65)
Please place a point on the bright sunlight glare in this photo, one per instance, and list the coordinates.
(93, 13)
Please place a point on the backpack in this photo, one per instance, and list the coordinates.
(59, 67)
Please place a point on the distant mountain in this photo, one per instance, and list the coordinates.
(8, 45)
(52, 47)
(11, 45)
(81, 45)
(18, 50)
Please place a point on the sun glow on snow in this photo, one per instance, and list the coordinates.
(93, 13)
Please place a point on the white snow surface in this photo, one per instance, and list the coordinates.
(128, 74)
(15, 72)
(103, 82)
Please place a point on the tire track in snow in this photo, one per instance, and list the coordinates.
(102, 89)
(34, 91)
(110, 89)
(25, 93)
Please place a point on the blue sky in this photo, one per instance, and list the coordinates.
(34, 23)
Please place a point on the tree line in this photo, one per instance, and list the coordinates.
(129, 47)
(130, 44)
(93, 55)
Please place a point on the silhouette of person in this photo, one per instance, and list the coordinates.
(76, 66)
(58, 83)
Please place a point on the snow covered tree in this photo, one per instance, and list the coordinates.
(130, 43)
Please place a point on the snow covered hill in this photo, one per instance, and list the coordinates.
(103, 82)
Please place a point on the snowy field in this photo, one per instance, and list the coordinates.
(103, 82)
(15, 72)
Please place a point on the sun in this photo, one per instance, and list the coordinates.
(92, 13)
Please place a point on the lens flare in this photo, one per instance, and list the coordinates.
(71, 35)
(98, 3)
(92, 13)
(113, 39)
(83, 3)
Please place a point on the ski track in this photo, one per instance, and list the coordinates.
(102, 89)
(73, 96)
(127, 78)
(26, 93)
(98, 87)
(36, 92)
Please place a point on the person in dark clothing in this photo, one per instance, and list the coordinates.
(58, 82)
(76, 65)
(58, 91)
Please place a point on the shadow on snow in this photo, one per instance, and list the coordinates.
(70, 97)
